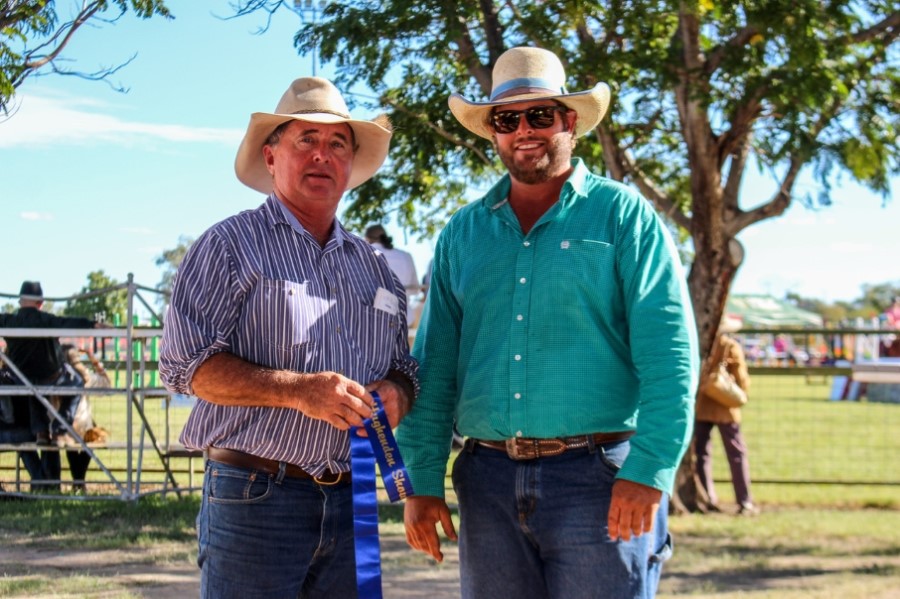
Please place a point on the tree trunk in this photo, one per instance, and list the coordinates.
(709, 282)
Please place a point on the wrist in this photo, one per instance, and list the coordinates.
(405, 386)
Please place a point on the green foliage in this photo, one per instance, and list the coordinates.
(169, 261)
(797, 82)
(33, 37)
(100, 299)
(875, 299)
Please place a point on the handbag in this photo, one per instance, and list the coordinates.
(722, 387)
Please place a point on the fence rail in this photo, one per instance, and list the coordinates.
(808, 422)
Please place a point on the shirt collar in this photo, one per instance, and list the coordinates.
(279, 214)
(574, 188)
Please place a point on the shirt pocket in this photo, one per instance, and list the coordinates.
(373, 334)
(289, 316)
(585, 266)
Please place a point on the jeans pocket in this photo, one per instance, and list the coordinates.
(235, 486)
(613, 455)
(664, 553)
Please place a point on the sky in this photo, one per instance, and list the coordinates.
(94, 180)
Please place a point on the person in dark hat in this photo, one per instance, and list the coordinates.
(558, 337)
(41, 361)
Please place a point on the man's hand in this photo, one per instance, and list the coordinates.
(421, 515)
(339, 401)
(632, 510)
(393, 397)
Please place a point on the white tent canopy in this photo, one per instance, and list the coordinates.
(764, 311)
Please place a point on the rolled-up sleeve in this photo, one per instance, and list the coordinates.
(202, 314)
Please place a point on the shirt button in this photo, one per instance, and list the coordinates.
(518, 433)
(518, 357)
(522, 280)
(519, 317)
(518, 396)
(527, 243)
(338, 329)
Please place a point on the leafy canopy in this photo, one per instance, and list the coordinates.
(698, 86)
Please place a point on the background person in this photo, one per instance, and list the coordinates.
(15, 424)
(558, 336)
(281, 322)
(401, 264)
(83, 422)
(711, 414)
(42, 362)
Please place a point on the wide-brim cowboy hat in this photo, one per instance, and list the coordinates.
(523, 74)
(314, 100)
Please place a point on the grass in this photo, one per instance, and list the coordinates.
(813, 540)
(785, 553)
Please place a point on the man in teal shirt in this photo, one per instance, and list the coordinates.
(558, 337)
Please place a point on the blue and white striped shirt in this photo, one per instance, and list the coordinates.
(261, 287)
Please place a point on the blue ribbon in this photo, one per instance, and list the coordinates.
(379, 446)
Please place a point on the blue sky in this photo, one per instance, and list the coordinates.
(93, 179)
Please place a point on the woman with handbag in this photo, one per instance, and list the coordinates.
(717, 407)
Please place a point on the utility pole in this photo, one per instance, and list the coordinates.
(309, 11)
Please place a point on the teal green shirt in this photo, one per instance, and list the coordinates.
(582, 326)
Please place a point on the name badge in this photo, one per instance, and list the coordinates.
(386, 301)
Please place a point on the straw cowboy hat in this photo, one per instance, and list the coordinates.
(523, 74)
(314, 100)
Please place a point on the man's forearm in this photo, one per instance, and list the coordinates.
(228, 380)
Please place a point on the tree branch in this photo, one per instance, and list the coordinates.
(621, 166)
(70, 28)
(740, 39)
(423, 118)
(888, 28)
(468, 55)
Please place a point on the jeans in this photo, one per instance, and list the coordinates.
(537, 528)
(268, 536)
(30, 459)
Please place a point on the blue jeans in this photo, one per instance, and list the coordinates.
(30, 459)
(267, 536)
(537, 528)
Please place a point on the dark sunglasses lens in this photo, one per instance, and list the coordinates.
(506, 121)
(540, 117)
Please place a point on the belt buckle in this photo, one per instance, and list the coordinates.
(326, 482)
(521, 449)
(512, 450)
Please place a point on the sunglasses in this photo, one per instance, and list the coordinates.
(538, 117)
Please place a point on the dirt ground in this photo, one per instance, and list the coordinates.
(164, 571)
(167, 571)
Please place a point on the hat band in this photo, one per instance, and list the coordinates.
(323, 111)
(526, 82)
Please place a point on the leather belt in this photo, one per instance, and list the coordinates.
(529, 449)
(239, 459)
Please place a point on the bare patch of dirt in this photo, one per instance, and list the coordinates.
(168, 570)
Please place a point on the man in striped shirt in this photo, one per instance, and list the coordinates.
(558, 337)
(281, 323)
